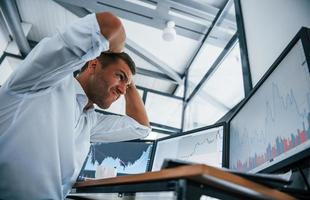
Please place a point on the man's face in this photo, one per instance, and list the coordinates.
(106, 84)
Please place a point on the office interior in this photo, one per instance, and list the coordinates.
(200, 64)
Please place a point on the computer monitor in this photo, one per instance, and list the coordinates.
(270, 129)
(203, 145)
(131, 157)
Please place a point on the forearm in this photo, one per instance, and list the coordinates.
(60, 54)
(135, 107)
(112, 29)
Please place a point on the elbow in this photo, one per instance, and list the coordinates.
(113, 21)
(110, 26)
(145, 132)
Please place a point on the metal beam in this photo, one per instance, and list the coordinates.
(141, 52)
(159, 92)
(78, 11)
(10, 13)
(154, 74)
(213, 28)
(4, 28)
(215, 102)
(199, 11)
(2, 58)
(192, 18)
(170, 74)
(206, 37)
(246, 72)
(147, 15)
(197, 5)
(214, 66)
(151, 17)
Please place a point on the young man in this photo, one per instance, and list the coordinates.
(47, 120)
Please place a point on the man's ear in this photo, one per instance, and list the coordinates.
(92, 64)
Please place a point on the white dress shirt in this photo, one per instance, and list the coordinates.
(44, 132)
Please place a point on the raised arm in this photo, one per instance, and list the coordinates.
(57, 57)
(112, 29)
(135, 107)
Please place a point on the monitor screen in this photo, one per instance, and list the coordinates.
(272, 126)
(131, 157)
(203, 145)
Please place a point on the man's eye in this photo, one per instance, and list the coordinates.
(120, 77)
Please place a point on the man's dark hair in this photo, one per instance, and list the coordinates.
(107, 58)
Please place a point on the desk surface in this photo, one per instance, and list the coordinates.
(207, 175)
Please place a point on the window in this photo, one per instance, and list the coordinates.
(220, 35)
(164, 109)
(226, 84)
(216, 75)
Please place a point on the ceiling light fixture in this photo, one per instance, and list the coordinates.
(169, 32)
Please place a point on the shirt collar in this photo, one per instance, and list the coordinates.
(81, 97)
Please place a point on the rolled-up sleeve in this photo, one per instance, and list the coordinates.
(113, 128)
(56, 57)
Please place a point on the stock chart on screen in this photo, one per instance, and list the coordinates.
(126, 157)
(204, 146)
(274, 124)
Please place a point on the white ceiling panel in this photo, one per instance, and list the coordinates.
(46, 16)
(141, 63)
(154, 83)
(175, 53)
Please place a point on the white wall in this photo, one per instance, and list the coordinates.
(269, 27)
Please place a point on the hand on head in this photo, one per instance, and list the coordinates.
(112, 29)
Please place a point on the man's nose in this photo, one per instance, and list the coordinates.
(122, 89)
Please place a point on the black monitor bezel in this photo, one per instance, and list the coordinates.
(303, 35)
(224, 155)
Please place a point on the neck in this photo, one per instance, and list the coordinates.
(82, 80)
(89, 105)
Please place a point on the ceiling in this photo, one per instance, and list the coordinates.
(161, 64)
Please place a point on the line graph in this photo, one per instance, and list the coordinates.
(200, 147)
(276, 120)
(199, 144)
(126, 157)
(123, 167)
